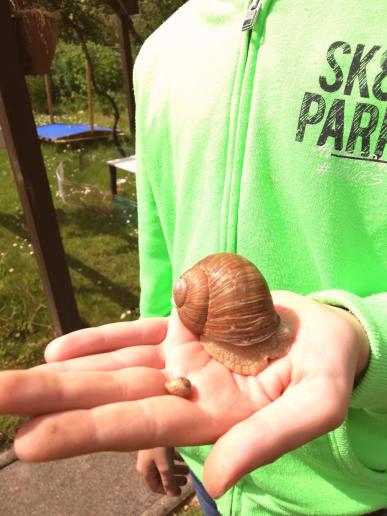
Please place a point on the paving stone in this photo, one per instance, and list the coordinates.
(101, 484)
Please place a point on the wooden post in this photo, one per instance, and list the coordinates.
(16, 119)
(49, 97)
(89, 95)
(127, 67)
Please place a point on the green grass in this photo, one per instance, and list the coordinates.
(100, 247)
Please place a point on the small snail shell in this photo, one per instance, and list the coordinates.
(226, 301)
(179, 386)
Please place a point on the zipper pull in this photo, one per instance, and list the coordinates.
(252, 15)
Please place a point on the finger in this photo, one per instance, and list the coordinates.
(180, 469)
(173, 484)
(169, 481)
(289, 422)
(108, 337)
(153, 480)
(147, 469)
(147, 356)
(125, 426)
(37, 392)
(172, 475)
(181, 480)
(154, 466)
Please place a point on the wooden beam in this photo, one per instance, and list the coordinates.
(17, 121)
(124, 6)
(47, 87)
(89, 86)
(127, 67)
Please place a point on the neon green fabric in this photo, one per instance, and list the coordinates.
(272, 143)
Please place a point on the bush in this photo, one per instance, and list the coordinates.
(37, 92)
(69, 70)
(153, 13)
(68, 74)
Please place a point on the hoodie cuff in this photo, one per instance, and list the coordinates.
(371, 392)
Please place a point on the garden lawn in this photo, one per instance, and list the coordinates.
(100, 241)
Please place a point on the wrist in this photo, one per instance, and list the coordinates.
(360, 339)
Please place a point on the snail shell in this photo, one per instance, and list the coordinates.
(179, 386)
(225, 300)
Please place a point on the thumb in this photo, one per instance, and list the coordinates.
(298, 416)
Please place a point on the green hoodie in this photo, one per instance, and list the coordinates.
(272, 143)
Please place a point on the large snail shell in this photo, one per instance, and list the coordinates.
(226, 301)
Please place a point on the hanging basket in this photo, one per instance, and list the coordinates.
(38, 32)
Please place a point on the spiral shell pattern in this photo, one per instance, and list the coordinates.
(225, 300)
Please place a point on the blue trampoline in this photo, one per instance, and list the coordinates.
(67, 133)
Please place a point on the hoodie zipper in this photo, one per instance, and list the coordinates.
(252, 15)
(229, 212)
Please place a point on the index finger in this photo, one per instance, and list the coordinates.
(35, 392)
(124, 426)
(108, 337)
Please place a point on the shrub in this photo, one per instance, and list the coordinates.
(37, 93)
(69, 70)
(68, 74)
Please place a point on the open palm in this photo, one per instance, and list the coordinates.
(104, 389)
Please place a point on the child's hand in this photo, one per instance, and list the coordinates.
(116, 398)
(163, 470)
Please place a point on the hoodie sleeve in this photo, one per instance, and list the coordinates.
(371, 392)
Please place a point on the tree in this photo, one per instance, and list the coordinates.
(93, 18)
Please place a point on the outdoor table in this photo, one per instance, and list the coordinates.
(128, 164)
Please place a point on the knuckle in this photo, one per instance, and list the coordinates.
(167, 486)
(334, 415)
(139, 469)
(337, 417)
(334, 408)
(164, 472)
